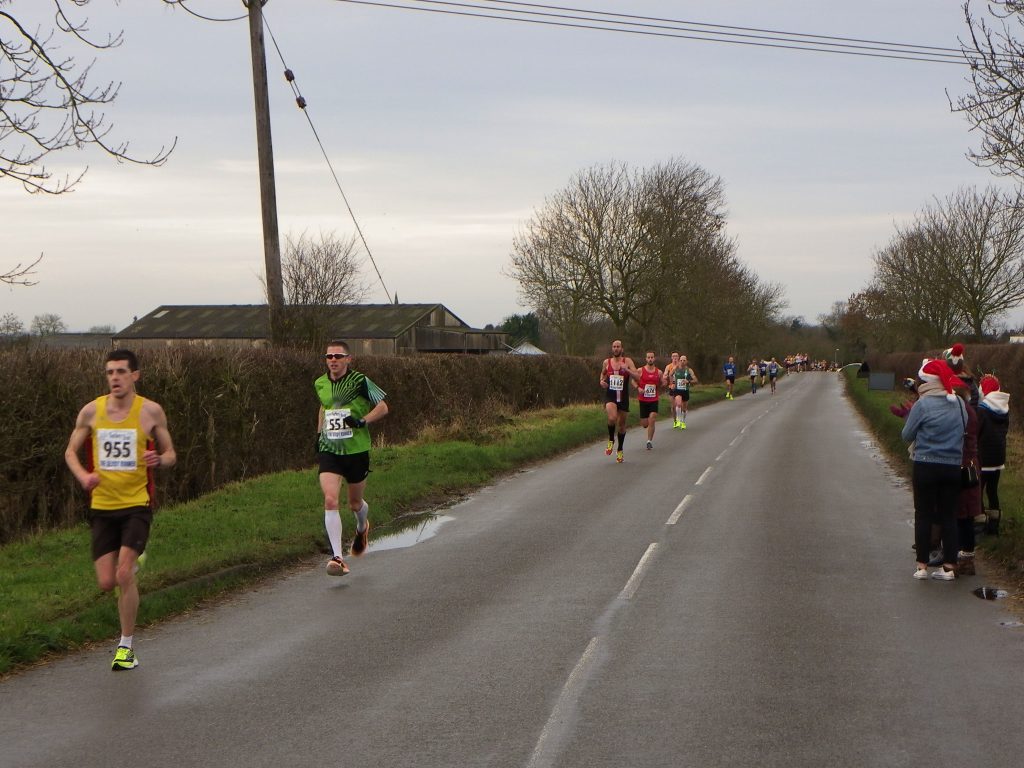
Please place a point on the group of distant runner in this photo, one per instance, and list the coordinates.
(619, 375)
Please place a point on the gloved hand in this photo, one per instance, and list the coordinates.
(354, 422)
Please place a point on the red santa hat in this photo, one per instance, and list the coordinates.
(955, 354)
(939, 372)
(989, 383)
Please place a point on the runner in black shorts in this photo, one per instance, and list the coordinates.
(615, 372)
(349, 401)
(729, 369)
(647, 395)
(125, 436)
(684, 376)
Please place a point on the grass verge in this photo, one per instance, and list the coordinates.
(245, 531)
(1006, 551)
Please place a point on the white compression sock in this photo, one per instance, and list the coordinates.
(361, 516)
(332, 522)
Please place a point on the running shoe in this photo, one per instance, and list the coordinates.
(361, 540)
(608, 450)
(682, 425)
(649, 446)
(139, 562)
(124, 659)
(618, 457)
(675, 424)
(944, 574)
(336, 567)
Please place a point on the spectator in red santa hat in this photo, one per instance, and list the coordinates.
(993, 424)
(936, 425)
(954, 357)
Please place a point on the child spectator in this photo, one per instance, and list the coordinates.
(993, 423)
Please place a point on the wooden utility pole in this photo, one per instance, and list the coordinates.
(268, 191)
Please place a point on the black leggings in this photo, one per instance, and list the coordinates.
(990, 485)
(936, 494)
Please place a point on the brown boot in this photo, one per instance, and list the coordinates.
(965, 564)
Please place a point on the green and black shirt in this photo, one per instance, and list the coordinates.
(351, 395)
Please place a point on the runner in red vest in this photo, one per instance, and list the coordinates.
(647, 394)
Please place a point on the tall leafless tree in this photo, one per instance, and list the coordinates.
(981, 237)
(318, 274)
(644, 250)
(954, 271)
(995, 48)
(49, 102)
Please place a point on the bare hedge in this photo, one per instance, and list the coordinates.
(1005, 360)
(235, 414)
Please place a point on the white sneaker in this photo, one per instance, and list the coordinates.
(943, 575)
(921, 573)
(649, 446)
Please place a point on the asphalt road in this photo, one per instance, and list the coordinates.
(741, 595)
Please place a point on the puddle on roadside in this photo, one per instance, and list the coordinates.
(990, 593)
(410, 535)
(874, 450)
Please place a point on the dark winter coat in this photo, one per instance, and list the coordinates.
(993, 423)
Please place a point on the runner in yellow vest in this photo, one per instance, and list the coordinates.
(125, 437)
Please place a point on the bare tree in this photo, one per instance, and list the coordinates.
(49, 102)
(981, 241)
(910, 291)
(955, 271)
(996, 52)
(318, 275)
(47, 324)
(645, 250)
(555, 280)
(11, 325)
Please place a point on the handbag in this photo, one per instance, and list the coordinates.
(968, 474)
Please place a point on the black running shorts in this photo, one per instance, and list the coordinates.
(354, 467)
(622, 405)
(646, 409)
(116, 528)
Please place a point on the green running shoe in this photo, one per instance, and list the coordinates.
(124, 659)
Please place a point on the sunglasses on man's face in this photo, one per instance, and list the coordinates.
(336, 356)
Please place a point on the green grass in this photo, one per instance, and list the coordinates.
(245, 531)
(1006, 550)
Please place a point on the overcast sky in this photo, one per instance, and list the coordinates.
(448, 133)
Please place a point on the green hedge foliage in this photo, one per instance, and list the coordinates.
(235, 414)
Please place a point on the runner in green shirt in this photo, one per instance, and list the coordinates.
(349, 402)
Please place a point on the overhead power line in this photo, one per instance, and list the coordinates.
(301, 102)
(575, 18)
